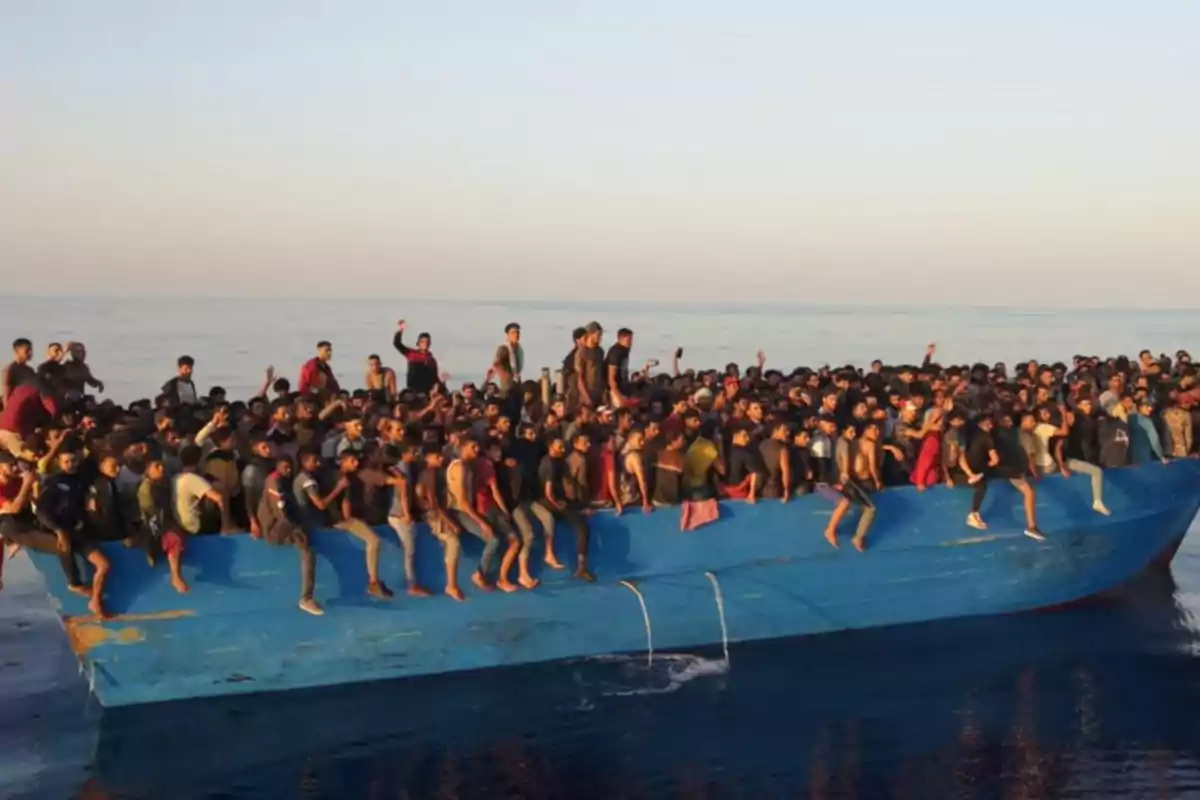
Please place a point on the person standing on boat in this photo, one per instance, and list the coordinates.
(507, 365)
(316, 376)
(590, 369)
(858, 475)
(18, 372)
(422, 366)
(181, 390)
(983, 459)
(616, 367)
(379, 378)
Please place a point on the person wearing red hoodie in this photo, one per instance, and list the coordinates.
(28, 408)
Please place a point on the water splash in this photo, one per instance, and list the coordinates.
(646, 618)
(720, 613)
(632, 678)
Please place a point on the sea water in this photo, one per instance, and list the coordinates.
(1095, 702)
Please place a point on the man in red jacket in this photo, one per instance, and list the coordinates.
(316, 376)
(26, 409)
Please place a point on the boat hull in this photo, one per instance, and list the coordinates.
(762, 571)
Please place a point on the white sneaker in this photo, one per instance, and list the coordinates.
(311, 607)
(976, 522)
(1035, 534)
(1100, 508)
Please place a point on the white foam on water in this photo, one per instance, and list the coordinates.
(669, 673)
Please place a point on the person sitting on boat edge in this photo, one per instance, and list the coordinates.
(278, 518)
(62, 510)
(158, 535)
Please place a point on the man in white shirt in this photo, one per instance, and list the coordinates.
(188, 490)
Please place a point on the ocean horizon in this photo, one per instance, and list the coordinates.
(1084, 703)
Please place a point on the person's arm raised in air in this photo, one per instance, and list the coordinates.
(268, 379)
(398, 339)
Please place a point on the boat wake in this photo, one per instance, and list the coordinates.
(631, 676)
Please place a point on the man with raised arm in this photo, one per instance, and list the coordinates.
(422, 366)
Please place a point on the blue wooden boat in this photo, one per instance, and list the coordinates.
(762, 571)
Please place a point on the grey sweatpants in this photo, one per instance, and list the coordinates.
(1092, 471)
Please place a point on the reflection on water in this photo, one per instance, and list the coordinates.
(1097, 701)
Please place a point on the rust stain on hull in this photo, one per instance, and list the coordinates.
(89, 631)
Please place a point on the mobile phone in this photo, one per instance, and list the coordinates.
(679, 352)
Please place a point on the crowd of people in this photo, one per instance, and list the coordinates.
(506, 460)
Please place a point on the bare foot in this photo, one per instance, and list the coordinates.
(81, 589)
(419, 591)
(528, 582)
(506, 586)
(481, 582)
(180, 585)
(456, 593)
(831, 537)
(97, 608)
(554, 563)
(859, 544)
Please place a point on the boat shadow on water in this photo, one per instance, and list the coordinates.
(1093, 699)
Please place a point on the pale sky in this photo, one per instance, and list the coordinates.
(1022, 153)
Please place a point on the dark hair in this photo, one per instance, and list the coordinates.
(306, 451)
(186, 361)
(578, 333)
(191, 456)
(512, 326)
(22, 342)
(215, 392)
(282, 385)
(324, 343)
(424, 335)
(624, 332)
(374, 357)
